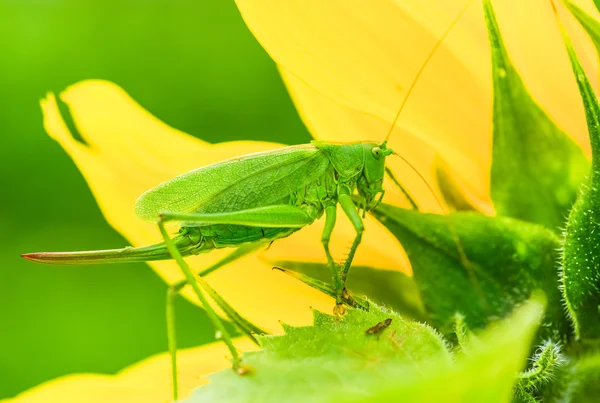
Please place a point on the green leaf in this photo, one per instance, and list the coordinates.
(581, 256)
(536, 168)
(589, 23)
(487, 374)
(335, 357)
(401, 341)
(336, 361)
(478, 266)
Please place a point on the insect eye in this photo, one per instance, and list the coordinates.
(376, 152)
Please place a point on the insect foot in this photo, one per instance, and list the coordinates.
(339, 310)
(244, 370)
(346, 295)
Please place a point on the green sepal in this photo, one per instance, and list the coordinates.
(479, 266)
(337, 361)
(536, 168)
(581, 250)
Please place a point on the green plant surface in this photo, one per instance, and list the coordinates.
(478, 266)
(581, 250)
(337, 361)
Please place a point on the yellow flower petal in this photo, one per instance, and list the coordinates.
(130, 151)
(365, 57)
(148, 381)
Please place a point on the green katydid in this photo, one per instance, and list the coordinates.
(252, 200)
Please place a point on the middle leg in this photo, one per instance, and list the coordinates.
(330, 218)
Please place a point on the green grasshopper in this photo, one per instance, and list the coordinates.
(250, 201)
(256, 198)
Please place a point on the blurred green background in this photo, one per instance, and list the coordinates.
(194, 65)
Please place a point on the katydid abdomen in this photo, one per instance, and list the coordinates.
(191, 240)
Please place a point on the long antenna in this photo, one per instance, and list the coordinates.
(460, 249)
(424, 65)
(411, 166)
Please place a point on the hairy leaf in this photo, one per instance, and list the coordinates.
(487, 373)
(581, 257)
(536, 167)
(335, 356)
(337, 361)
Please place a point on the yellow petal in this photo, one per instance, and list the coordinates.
(130, 151)
(148, 381)
(365, 57)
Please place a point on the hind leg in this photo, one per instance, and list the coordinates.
(195, 284)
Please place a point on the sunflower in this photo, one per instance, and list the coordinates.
(347, 67)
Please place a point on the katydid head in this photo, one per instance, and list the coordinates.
(375, 155)
(370, 183)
